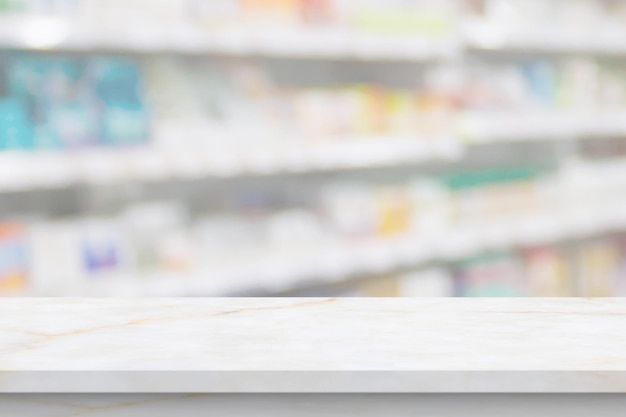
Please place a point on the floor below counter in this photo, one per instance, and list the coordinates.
(308, 405)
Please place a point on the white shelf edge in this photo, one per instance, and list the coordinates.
(154, 163)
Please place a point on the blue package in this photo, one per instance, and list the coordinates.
(28, 82)
(70, 103)
(15, 128)
(99, 256)
(542, 81)
(59, 95)
(125, 119)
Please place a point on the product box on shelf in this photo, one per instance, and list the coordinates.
(14, 257)
(15, 127)
(119, 90)
(57, 102)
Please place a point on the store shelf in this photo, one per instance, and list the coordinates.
(67, 32)
(608, 40)
(335, 46)
(42, 170)
(338, 260)
(38, 170)
(538, 125)
(322, 44)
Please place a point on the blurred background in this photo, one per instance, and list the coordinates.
(313, 147)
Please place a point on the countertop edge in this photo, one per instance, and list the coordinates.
(388, 381)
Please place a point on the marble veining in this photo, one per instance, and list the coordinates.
(204, 345)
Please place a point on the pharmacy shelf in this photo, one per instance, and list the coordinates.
(59, 34)
(336, 261)
(30, 171)
(320, 44)
(297, 44)
(540, 124)
(22, 171)
(606, 40)
(27, 170)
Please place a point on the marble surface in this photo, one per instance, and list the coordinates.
(309, 345)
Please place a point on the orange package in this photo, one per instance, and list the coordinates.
(13, 257)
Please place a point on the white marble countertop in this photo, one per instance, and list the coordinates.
(312, 345)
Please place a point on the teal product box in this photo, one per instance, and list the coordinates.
(51, 102)
(27, 79)
(58, 93)
(15, 127)
(124, 115)
(71, 106)
(15, 132)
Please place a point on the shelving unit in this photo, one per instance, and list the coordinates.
(469, 129)
(319, 45)
(345, 261)
(153, 164)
